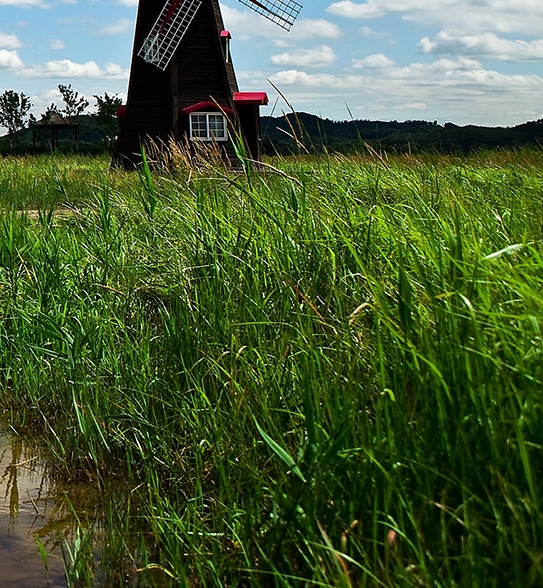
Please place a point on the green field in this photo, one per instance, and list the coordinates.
(328, 373)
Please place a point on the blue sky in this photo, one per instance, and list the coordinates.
(461, 61)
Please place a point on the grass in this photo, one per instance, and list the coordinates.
(329, 374)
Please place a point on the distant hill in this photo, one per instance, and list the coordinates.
(317, 133)
(402, 137)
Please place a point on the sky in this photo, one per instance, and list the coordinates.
(461, 61)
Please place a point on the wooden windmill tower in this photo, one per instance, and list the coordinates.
(182, 81)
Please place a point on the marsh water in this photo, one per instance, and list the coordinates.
(34, 508)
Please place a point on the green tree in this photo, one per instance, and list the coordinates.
(14, 112)
(106, 115)
(74, 105)
(51, 109)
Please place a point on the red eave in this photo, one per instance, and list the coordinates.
(226, 34)
(259, 98)
(204, 106)
(121, 111)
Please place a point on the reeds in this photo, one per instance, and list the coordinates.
(326, 376)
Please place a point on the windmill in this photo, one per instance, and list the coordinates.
(182, 81)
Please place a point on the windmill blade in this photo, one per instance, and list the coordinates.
(282, 12)
(167, 32)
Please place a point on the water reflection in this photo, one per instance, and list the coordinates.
(31, 506)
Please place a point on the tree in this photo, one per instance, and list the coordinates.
(14, 112)
(49, 111)
(74, 105)
(106, 115)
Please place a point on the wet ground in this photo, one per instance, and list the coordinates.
(32, 507)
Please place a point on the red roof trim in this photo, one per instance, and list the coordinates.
(260, 98)
(204, 106)
(226, 34)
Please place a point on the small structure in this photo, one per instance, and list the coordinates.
(182, 81)
(53, 122)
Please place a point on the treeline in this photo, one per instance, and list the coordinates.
(290, 134)
(63, 126)
(302, 132)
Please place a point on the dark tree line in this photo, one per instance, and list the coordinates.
(294, 133)
(15, 113)
(299, 132)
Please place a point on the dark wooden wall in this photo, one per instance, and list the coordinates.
(249, 120)
(148, 108)
(202, 72)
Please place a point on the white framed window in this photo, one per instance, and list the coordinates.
(208, 126)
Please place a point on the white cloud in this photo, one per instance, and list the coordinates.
(375, 107)
(44, 99)
(412, 106)
(317, 57)
(56, 44)
(117, 28)
(459, 90)
(307, 28)
(450, 65)
(483, 45)
(24, 3)
(367, 32)
(9, 41)
(246, 24)
(128, 2)
(524, 16)
(66, 68)
(378, 8)
(378, 60)
(10, 60)
(293, 76)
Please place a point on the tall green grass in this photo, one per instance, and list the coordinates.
(326, 374)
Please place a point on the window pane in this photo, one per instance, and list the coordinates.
(217, 126)
(199, 125)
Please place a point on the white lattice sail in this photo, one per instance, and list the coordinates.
(281, 12)
(168, 31)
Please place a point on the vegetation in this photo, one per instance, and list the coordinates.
(327, 373)
(74, 104)
(412, 136)
(293, 134)
(106, 115)
(13, 112)
(89, 133)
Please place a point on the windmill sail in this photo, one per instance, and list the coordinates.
(281, 12)
(167, 32)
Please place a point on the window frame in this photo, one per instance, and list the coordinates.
(208, 135)
(227, 49)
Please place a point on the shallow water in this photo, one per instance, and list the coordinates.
(31, 506)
